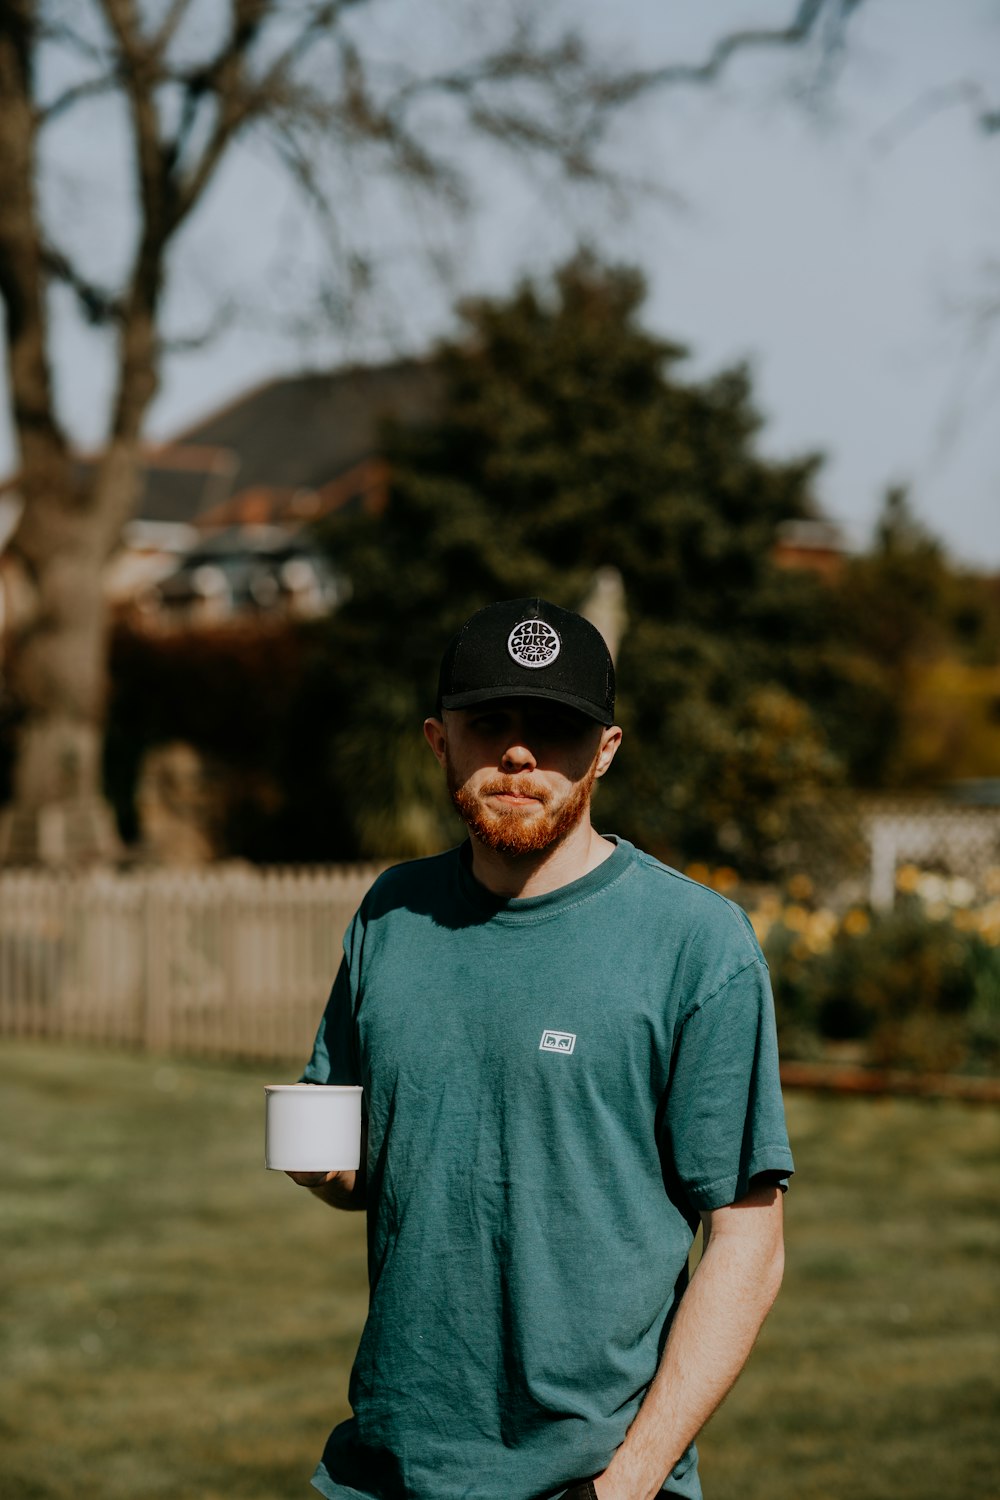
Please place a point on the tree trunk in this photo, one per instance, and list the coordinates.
(57, 666)
(56, 676)
(51, 574)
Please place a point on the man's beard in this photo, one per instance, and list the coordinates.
(520, 830)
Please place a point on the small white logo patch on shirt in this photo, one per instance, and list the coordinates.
(557, 1041)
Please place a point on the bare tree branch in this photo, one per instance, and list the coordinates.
(622, 89)
(99, 306)
(239, 97)
(222, 320)
(226, 78)
(577, 99)
(22, 275)
(523, 59)
(161, 40)
(301, 168)
(91, 88)
(964, 92)
(63, 34)
(139, 74)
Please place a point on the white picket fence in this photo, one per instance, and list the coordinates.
(237, 961)
(230, 962)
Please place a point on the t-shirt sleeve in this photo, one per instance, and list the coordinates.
(335, 1054)
(724, 1121)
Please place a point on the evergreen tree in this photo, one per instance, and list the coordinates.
(568, 442)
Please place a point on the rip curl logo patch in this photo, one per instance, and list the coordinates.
(533, 643)
(557, 1041)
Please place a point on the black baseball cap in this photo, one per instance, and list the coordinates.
(529, 648)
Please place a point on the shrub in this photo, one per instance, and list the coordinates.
(908, 989)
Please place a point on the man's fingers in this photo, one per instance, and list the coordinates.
(312, 1179)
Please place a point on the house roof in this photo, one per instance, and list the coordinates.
(304, 431)
(280, 441)
(178, 483)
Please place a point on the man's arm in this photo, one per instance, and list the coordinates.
(710, 1340)
(338, 1189)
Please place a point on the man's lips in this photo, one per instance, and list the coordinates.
(512, 795)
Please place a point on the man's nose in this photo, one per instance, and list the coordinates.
(518, 757)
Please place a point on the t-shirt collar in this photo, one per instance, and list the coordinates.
(534, 908)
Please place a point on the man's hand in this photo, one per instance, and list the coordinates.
(338, 1189)
(316, 1179)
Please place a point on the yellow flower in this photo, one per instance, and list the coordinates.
(795, 918)
(698, 872)
(823, 921)
(908, 878)
(761, 925)
(725, 878)
(819, 930)
(856, 922)
(817, 942)
(988, 923)
(961, 892)
(800, 887)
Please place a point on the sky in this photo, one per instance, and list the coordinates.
(844, 247)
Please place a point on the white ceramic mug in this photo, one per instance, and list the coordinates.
(312, 1127)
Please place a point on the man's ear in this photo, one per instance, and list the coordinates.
(610, 740)
(437, 737)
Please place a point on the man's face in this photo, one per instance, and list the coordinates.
(520, 771)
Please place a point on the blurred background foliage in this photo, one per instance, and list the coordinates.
(910, 988)
(569, 442)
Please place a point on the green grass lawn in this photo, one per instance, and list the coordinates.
(178, 1322)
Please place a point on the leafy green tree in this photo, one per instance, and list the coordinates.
(568, 442)
(928, 635)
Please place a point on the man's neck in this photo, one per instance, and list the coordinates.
(514, 875)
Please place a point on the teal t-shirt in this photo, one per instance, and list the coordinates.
(554, 1087)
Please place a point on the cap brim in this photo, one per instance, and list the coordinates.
(552, 695)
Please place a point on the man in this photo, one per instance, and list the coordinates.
(568, 1057)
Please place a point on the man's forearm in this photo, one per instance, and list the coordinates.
(710, 1341)
(346, 1190)
(337, 1189)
